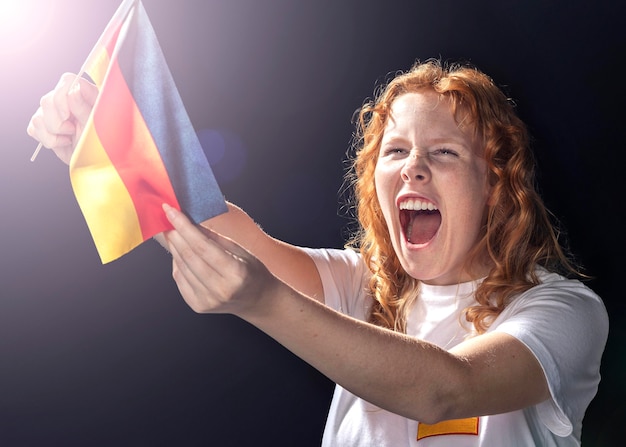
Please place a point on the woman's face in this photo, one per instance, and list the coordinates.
(431, 183)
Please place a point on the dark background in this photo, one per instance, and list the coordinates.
(112, 356)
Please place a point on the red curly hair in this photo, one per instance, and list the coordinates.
(519, 233)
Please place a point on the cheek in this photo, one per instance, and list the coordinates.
(478, 184)
(385, 177)
(468, 195)
(383, 185)
(473, 211)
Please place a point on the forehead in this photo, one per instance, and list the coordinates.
(427, 113)
(426, 100)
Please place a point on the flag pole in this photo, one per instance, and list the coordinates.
(32, 157)
(119, 16)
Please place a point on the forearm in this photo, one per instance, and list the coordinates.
(391, 370)
(235, 224)
(285, 261)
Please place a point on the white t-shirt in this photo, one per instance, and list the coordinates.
(561, 321)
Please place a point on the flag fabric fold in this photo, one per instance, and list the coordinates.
(138, 149)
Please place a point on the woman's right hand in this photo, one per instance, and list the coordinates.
(62, 115)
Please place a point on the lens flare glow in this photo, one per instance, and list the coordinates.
(22, 23)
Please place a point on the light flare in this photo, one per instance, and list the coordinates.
(23, 23)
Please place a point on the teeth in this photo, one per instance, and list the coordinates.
(417, 205)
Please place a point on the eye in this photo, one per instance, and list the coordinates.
(445, 152)
(394, 151)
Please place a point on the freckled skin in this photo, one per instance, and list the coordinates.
(425, 154)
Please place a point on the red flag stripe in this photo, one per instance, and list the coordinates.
(132, 151)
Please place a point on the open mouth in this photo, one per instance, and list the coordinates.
(420, 221)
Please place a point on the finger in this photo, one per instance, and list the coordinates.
(81, 99)
(223, 255)
(195, 256)
(184, 227)
(227, 244)
(89, 91)
(71, 101)
(206, 244)
(49, 130)
(197, 286)
(42, 122)
(202, 249)
(187, 283)
(57, 99)
(50, 117)
(52, 114)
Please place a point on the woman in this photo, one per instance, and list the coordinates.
(446, 322)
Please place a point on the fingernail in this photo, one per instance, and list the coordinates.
(74, 88)
(170, 211)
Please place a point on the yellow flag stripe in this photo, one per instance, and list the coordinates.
(103, 198)
(98, 66)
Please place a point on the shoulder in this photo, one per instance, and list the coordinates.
(556, 302)
(344, 278)
(565, 325)
(332, 262)
(557, 294)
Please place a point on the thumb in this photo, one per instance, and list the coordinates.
(88, 91)
(81, 99)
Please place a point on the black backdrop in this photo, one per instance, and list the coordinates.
(111, 355)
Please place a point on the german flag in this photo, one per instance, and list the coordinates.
(138, 148)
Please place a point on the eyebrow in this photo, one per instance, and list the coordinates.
(391, 138)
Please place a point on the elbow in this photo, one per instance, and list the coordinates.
(435, 406)
(445, 401)
(439, 412)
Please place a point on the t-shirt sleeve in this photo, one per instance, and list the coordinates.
(565, 325)
(344, 279)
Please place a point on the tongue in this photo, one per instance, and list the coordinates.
(423, 227)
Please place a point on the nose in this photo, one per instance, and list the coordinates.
(415, 168)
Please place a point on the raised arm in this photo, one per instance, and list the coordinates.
(488, 374)
(57, 124)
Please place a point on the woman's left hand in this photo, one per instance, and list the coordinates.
(214, 274)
